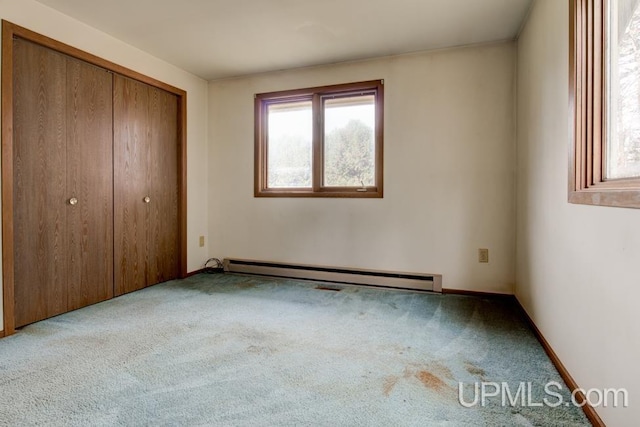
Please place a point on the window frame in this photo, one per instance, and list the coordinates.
(316, 94)
(588, 111)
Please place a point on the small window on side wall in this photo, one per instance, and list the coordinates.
(605, 101)
(320, 142)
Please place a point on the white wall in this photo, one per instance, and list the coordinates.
(448, 172)
(49, 22)
(577, 266)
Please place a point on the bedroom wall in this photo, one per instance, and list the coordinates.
(49, 22)
(448, 172)
(577, 273)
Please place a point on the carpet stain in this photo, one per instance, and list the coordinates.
(474, 370)
(389, 384)
(436, 367)
(433, 375)
(430, 381)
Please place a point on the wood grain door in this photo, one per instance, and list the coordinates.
(90, 182)
(40, 174)
(146, 224)
(62, 151)
(164, 245)
(132, 151)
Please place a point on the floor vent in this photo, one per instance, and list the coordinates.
(394, 279)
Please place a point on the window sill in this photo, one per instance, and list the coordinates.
(622, 198)
(371, 193)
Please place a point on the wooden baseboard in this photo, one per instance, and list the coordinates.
(2, 333)
(589, 410)
(202, 270)
(476, 293)
(193, 273)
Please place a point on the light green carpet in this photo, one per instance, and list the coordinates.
(231, 350)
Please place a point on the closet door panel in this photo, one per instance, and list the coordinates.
(131, 183)
(90, 182)
(39, 161)
(164, 255)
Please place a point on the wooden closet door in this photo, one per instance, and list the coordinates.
(132, 150)
(164, 253)
(40, 171)
(62, 151)
(146, 224)
(90, 181)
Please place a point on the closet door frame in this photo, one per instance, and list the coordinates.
(9, 32)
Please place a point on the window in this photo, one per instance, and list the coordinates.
(605, 98)
(320, 142)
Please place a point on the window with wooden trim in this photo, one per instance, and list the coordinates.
(605, 101)
(320, 142)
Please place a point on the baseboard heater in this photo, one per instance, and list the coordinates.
(394, 279)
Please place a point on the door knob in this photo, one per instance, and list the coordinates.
(146, 199)
(73, 201)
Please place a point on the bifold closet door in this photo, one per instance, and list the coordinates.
(131, 147)
(40, 174)
(146, 185)
(62, 183)
(164, 253)
(90, 183)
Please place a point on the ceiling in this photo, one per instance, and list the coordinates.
(224, 38)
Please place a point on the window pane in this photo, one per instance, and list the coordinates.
(349, 141)
(289, 148)
(623, 59)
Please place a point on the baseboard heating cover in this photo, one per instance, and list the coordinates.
(394, 279)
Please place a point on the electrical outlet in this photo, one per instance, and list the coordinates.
(483, 255)
(201, 241)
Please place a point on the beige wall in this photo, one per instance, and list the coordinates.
(44, 20)
(577, 266)
(449, 172)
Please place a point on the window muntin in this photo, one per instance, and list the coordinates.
(320, 142)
